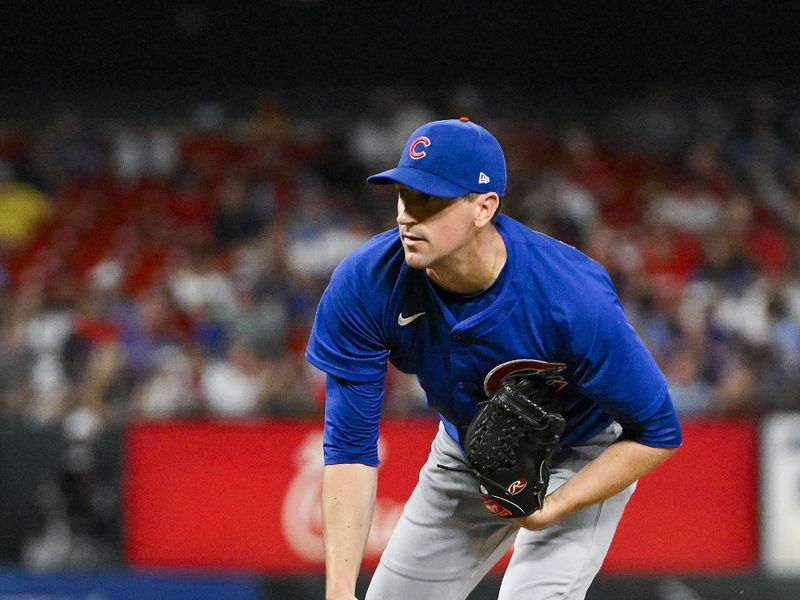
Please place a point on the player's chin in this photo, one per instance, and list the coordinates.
(416, 260)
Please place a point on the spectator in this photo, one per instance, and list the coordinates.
(235, 219)
(23, 208)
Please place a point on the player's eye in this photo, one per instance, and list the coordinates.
(408, 196)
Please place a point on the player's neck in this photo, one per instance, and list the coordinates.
(474, 267)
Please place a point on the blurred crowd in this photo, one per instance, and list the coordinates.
(171, 268)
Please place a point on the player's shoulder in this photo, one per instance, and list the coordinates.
(550, 257)
(547, 272)
(377, 261)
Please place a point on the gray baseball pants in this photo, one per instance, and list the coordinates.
(446, 540)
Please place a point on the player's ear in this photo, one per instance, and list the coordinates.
(486, 205)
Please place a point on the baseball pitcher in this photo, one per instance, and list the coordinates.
(551, 407)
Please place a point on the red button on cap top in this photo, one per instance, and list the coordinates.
(463, 119)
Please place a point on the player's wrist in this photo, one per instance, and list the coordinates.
(559, 504)
(341, 595)
(339, 591)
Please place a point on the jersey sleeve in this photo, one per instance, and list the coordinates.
(661, 429)
(346, 339)
(613, 367)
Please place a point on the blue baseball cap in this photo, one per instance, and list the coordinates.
(449, 159)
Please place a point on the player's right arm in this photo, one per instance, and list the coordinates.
(348, 498)
(347, 342)
(349, 481)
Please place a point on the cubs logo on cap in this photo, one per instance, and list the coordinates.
(449, 159)
(414, 147)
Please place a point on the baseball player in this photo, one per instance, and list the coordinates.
(472, 302)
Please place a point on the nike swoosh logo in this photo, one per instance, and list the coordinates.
(403, 321)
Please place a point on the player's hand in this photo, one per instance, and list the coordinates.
(542, 518)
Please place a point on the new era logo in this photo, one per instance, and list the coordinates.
(483, 178)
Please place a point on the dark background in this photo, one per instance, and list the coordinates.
(54, 49)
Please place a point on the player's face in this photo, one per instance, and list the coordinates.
(431, 228)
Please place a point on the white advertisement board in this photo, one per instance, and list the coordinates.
(780, 494)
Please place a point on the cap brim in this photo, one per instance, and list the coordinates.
(419, 180)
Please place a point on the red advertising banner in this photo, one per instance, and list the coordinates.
(698, 511)
(245, 496)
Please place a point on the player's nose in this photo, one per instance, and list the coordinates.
(404, 216)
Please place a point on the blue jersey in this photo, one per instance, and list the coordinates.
(553, 305)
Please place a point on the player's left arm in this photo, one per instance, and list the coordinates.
(643, 446)
(617, 467)
(613, 367)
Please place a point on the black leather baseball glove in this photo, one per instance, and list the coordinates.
(510, 442)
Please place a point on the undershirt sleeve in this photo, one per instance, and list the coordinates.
(352, 413)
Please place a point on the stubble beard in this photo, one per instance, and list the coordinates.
(415, 261)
